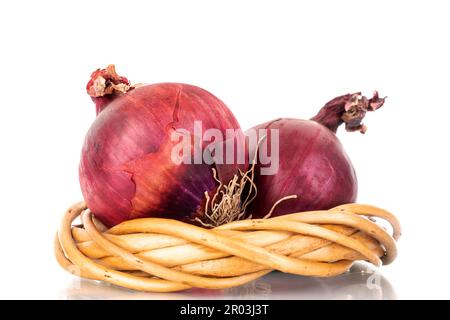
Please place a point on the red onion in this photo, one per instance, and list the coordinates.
(312, 162)
(126, 170)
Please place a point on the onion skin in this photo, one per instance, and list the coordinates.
(126, 170)
(312, 162)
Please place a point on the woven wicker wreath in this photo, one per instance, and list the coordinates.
(164, 255)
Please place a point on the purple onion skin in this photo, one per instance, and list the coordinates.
(126, 170)
(312, 162)
(313, 165)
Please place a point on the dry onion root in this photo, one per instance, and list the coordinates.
(163, 255)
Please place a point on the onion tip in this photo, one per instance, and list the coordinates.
(349, 109)
(105, 85)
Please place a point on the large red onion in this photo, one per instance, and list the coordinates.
(312, 162)
(126, 169)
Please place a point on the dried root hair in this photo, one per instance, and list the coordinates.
(227, 204)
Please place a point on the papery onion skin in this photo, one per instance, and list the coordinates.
(126, 170)
(313, 164)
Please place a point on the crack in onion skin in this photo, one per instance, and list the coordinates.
(313, 164)
(126, 171)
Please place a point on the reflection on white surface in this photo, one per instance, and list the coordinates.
(361, 282)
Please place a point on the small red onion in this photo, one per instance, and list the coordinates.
(312, 162)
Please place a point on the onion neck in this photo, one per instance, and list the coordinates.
(106, 85)
(349, 109)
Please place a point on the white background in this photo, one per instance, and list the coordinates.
(265, 60)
